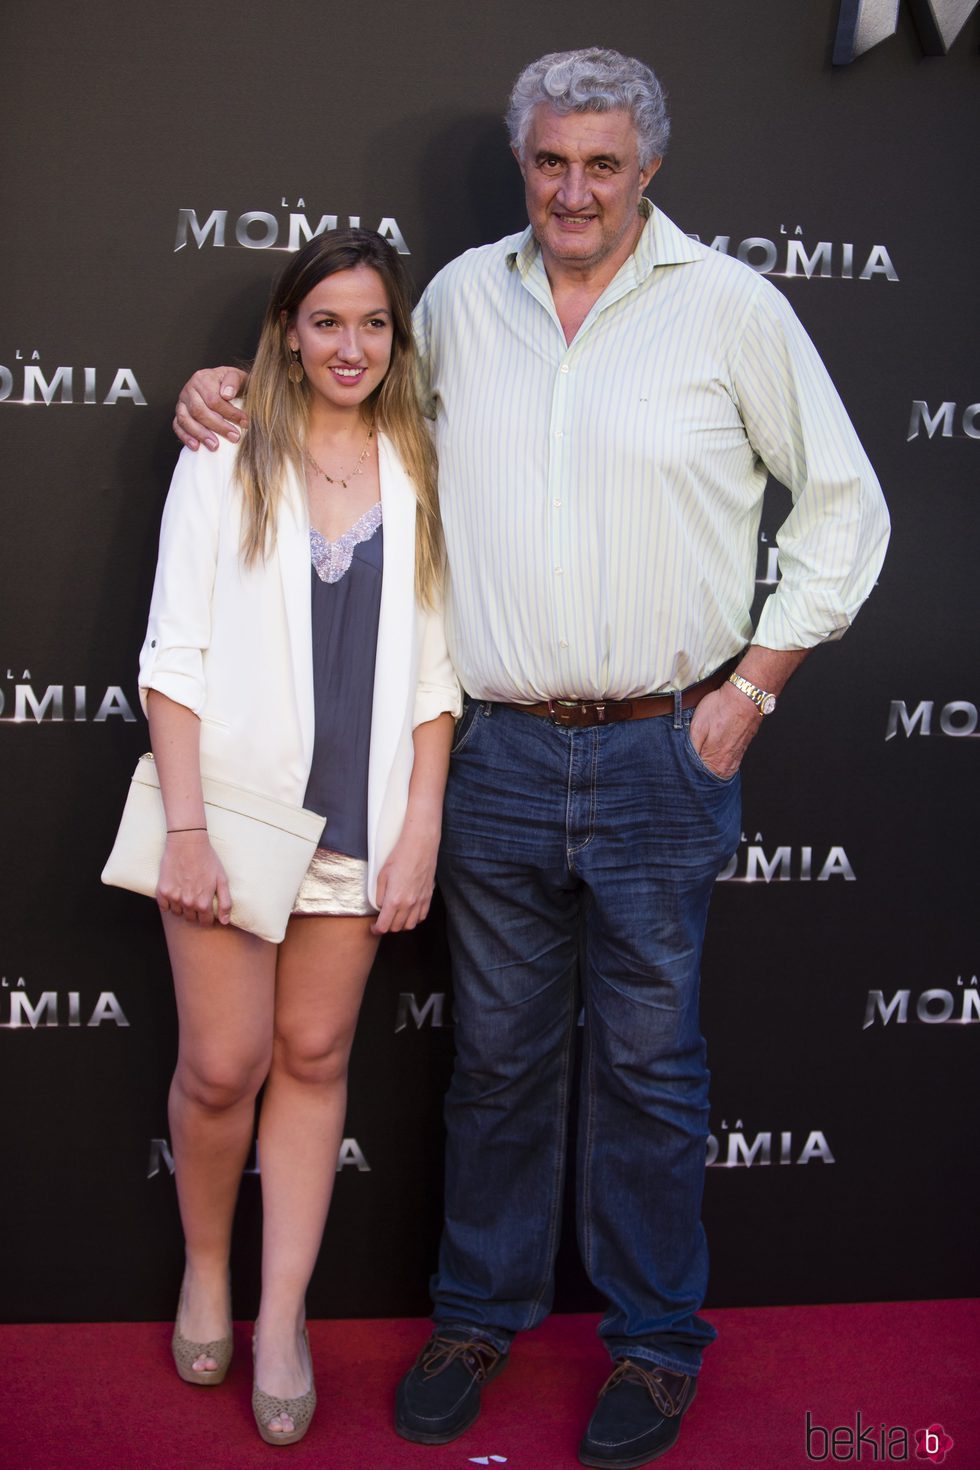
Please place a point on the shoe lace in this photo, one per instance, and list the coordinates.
(479, 1356)
(652, 1379)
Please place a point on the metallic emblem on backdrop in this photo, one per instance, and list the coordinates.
(740, 1150)
(54, 1009)
(432, 1011)
(958, 1006)
(351, 1155)
(751, 863)
(957, 718)
(788, 256)
(59, 703)
(65, 384)
(767, 574)
(943, 421)
(258, 229)
(862, 24)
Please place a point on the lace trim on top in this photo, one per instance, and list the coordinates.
(332, 559)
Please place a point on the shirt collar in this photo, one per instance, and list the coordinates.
(660, 243)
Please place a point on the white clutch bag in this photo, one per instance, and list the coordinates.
(264, 846)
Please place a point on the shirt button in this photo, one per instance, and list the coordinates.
(563, 643)
(556, 504)
(563, 368)
(559, 433)
(559, 571)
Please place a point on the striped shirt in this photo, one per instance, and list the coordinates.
(601, 499)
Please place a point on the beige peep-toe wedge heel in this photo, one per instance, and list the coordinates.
(186, 1354)
(300, 1410)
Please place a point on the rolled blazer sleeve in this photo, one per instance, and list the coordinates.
(438, 690)
(179, 628)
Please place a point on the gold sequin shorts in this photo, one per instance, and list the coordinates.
(334, 884)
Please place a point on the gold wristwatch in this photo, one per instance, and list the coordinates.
(764, 702)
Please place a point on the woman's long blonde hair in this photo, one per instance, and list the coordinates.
(278, 410)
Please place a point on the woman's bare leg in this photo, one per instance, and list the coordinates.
(224, 981)
(322, 970)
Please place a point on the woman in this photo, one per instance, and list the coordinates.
(339, 698)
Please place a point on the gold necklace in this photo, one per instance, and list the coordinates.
(343, 479)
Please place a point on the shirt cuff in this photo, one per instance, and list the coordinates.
(790, 621)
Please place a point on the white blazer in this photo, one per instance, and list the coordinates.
(234, 644)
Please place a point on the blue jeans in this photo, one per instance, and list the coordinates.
(577, 867)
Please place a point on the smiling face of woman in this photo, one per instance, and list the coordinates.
(343, 331)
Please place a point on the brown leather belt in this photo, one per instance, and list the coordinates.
(579, 714)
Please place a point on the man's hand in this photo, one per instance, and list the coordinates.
(726, 722)
(204, 408)
(723, 727)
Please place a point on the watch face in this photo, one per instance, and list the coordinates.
(768, 704)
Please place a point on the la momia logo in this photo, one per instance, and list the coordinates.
(744, 1150)
(957, 718)
(943, 420)
(785, 863)
(64, 384)
(863, 24)
(431, 1011)
(958, 1006)
(54, 1008)
(260, 229)
(23, 704)
(350, 1156)
(790, 256)
(894, 1442)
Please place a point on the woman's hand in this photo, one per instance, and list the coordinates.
(406, 881)
(191, 877)
(204, 407)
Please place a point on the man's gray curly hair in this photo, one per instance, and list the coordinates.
(593, 80)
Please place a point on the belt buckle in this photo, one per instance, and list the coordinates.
(589, 711)
(560, 711)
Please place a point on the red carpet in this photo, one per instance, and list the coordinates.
(90, 1397)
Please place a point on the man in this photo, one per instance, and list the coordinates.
(608, 398)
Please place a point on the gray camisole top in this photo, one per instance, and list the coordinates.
(346, 592)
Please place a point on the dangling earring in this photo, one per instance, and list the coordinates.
(294, 372)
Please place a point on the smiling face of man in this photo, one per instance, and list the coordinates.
(582, 183)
